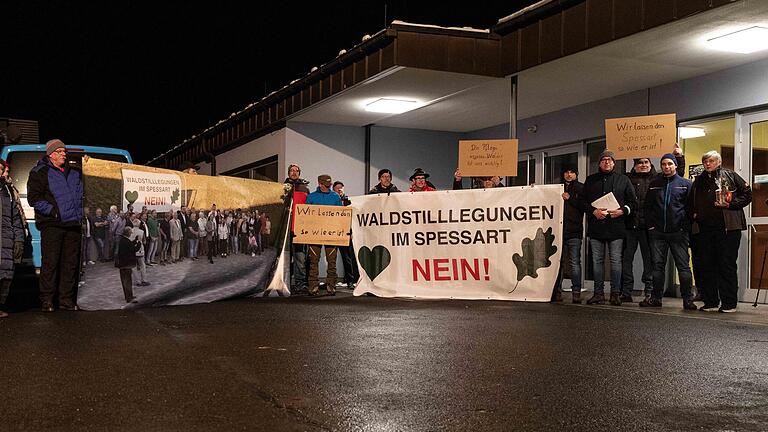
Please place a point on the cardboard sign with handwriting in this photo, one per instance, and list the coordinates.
(321, 224)
(479, 158)
(638, 137)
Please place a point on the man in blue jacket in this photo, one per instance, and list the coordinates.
(324, 195)
(668, 227)
(55, 190)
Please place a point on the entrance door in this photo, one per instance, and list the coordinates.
(755, 134)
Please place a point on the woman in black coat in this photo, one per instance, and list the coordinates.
(12, 233)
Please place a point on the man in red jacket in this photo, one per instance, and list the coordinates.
(298, 195)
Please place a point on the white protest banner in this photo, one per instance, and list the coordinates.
(501, 243)
(156, 191)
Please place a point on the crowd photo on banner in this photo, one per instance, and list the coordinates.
(115, 235)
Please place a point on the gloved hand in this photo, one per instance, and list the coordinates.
(18, 251)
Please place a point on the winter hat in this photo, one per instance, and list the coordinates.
(52, 145)
(607, 153)
(571, 168)
(669, 156)
(384, 171)
(418, 172)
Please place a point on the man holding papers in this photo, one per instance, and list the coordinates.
(608, 198)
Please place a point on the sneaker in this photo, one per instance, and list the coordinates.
(351, 286)
(709, 308)
(615, 299)
(596, 299)
(576, 298)
(650, 302)
(688, 304)
(48, 307)
(626, 298)
(91, 262)
(253, 254)
(340, 284)
(728, 310)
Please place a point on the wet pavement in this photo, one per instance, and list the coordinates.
(370, 364)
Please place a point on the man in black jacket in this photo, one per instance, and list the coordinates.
(573, 232)
(606, 226)
(715, 204)
(641, 176)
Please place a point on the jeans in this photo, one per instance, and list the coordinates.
(351, 272)
(99, 247)
(677, 242)
(299, 265)
(192, 243)
(141, 268)
(571, 256)
(717, 253)
(634, 239)
(152, 249)
(598, 259)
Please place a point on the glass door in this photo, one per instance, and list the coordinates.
(755, 133)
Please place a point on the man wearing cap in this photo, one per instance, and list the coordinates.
(385, 183)
(606, 227)
(668, 225)
(55, 190)
(641, 176)
(573, 233)
(324, 195)
(187, 167)
(419, 182)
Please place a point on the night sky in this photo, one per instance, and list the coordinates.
(145, 76)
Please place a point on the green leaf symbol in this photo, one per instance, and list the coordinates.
(174, 196)
(535, 255)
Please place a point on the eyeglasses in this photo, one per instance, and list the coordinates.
(60, 151)
(419, 178)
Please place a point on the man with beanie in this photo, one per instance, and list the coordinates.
(641, 176)
(606, 227)
(297, 195)
(55, 190)
(385, 183)
(573, 232)
(324, 195)
(667, 222)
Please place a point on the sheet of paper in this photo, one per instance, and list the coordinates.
(607, 201)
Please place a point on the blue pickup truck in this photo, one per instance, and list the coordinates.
(22, 157)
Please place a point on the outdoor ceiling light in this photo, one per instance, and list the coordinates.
(743, 41)
(391, 106)
(691, 132)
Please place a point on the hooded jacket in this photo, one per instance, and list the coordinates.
(56, 195)
(319, 197)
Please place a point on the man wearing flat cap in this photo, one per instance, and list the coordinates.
(606, 226)
(55, 190)
(323, 195)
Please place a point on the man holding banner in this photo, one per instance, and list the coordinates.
(299, 192)
(324, 195)
(608, 198)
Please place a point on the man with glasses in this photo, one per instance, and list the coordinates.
(55, 190)
(606, 226)
(419, 182)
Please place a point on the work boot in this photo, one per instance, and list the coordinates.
(688, 304)
(625, 298)
(596, 299)
(615, 300)
(557, 297)
(650, 302)
(576, 298)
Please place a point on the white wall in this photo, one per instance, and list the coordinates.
(403, 150)
(327, 149)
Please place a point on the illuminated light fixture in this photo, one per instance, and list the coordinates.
(744, 41)
(391, 106)
(691, 132)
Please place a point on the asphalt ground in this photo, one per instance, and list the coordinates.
(348, 363)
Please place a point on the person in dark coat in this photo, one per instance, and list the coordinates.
(55, 190)
(126, 260)
(12, 233)
(351, 271)
(642, 174)
(573, 234)
(385, 183)
(716, 206)
(606, 228)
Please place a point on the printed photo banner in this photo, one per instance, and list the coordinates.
(244, 263)
(156, 191)
(502, 243)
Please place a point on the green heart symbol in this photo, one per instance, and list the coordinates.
(131, 196)
(373, 261)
